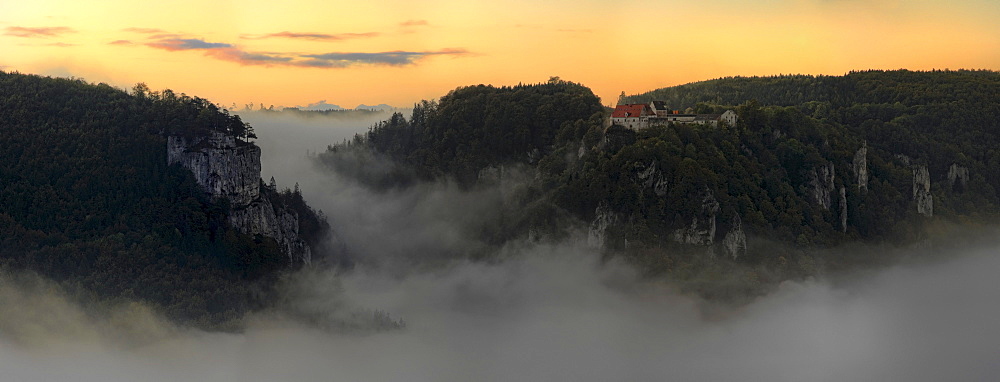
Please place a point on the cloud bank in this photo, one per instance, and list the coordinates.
(537, 311)
(174, 44)
(393, 58)
(555, 313)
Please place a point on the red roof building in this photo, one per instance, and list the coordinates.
(635, 110)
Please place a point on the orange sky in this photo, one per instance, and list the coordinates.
(398, 52)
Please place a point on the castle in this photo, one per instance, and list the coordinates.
(641, 115)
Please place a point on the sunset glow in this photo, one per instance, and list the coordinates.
(398, 52)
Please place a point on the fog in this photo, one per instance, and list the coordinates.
(538, 311)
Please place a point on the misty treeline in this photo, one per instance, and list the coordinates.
(87, 199)
(330, 113)
(475, 127)
(653, 182)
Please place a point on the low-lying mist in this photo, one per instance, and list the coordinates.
(552, 313)
(537, 311)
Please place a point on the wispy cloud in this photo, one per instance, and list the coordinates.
(121, 42)
(234, 53)
(29, 32)
(311, 36)
(250, 58)
(186, 44)
(394, 58)
(414, 23)
(143, 30)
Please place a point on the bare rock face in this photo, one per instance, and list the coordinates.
(653, 178)
(225, 168)
(735, 241)
(604, 217)
(221, 167)
(821, 184)
(958, 176)
(261, 218)
(861, 167)
(922, 191)
(702, 228)
(843, 210)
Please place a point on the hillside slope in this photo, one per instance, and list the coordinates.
(87, 197)
(812, 163)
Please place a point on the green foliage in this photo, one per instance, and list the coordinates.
(87, 197)
(475, 127)
(764, 170)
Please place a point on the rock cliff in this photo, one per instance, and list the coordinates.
(958, 177)
(221, 166)
(843, 210)
(702, 228)
(861, 167)
(735, 241)
(922, 191)
(821, 184)
(227, 168)
(653, 178)
(604, 217)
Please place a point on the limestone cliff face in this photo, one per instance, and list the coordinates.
(958, 177)
(702, 228)
(222, 168)
(225, 168)
(653, 178)
(735, 241)
(861, 167)
(821, 184)
(922, 191)
(843, 210)
(604, 217)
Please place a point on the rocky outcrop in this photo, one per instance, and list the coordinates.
(821, 185)
(958, 177)
(701, 231)
(922, 191)
(843, 210)
(735, 241)
(227, 168)
(653, 178)
(861, 167)
(260, 217)
(222, 167)
(604, 217)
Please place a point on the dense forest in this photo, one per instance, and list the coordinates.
(475, 127)
(812, 163)
(87, 199)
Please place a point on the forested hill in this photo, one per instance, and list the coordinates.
(813, 162)
(87, 198)
(927, 143)
(928, 115)
(476, 127)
